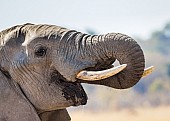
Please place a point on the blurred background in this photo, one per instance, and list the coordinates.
(147, 21)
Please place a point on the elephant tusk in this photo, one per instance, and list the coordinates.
(148, 71)
(98, 75)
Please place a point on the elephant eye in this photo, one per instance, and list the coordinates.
(41, 52)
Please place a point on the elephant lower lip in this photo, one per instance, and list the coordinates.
(75, 93)
(71, 90)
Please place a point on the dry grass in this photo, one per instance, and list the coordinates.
(139, 114)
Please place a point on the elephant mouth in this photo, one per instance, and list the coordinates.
(74, 92)
(71, 91)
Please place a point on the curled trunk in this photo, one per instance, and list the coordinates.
(107, 48)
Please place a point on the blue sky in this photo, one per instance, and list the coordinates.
(132, 17)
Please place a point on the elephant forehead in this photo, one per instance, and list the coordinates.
(28, 39)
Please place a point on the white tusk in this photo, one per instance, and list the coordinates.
(148, 71)
(98, 75)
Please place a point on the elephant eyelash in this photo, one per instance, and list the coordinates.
(41, 51)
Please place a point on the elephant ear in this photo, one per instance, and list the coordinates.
(56, 115)
(14, 106)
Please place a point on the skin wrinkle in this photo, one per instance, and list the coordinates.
(62, 30)
(104, 52)
(99, 54)
(123, 47)
(25, 69)
(46, 72)
(104, 45)
(14, 75)
(75, 40)
(95, 52)
(120, 84)
(72, 49)
(33, 88)
(36, 72)
(94, 48)
(126, 39)
(84, 45)
(21, 72)
(115, 50)
(133, 49)
(40, 28)
(70, 56)
(17, 69)
(67, 49)
(83, 42)
(91, 46)
(22, 93)
(29, 72)
(78, 52)
(18, 78)
(38, 81)
(48, 63)
(4, 57)
(88, 40)
(43, 89)
(3, 54)
(29, 78)
(63, 43)
(66, 37)
(78, 41)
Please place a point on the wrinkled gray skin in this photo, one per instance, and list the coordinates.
(39, 63)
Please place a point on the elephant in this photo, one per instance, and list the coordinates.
(42, 67)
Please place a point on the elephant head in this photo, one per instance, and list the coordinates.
(49, 63)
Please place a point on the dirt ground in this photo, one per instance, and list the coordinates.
(139, 114)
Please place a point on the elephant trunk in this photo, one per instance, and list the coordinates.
(105, 49)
